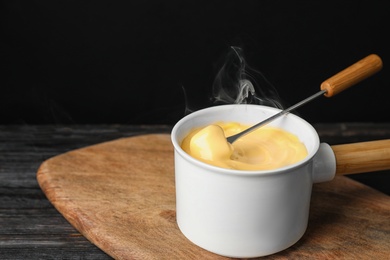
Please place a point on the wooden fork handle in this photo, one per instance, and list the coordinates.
(352, 75)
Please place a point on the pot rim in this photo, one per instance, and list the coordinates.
(216, 169)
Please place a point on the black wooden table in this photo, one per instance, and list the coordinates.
(31, 228)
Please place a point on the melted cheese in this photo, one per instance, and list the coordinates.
(266, 148)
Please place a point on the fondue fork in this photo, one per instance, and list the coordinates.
(346, 78)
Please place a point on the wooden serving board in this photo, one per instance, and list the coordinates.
(121, 196)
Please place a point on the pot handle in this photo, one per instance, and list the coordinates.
(362, 157)
(324, 164)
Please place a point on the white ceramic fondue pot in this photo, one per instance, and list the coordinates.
(246, 214)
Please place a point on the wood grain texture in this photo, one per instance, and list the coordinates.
(362, 157)
(352, 75)
(121, 196)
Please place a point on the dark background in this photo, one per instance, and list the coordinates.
(71, 62)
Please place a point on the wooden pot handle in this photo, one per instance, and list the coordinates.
(362, 157)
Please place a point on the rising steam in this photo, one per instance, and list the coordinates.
(237, 83)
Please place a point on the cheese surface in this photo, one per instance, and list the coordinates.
(265, 148)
